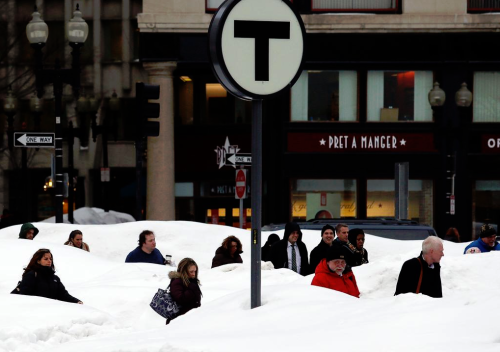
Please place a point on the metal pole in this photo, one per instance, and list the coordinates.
(241, 213)
(27, 203)
(255, 286)
(138, 171)
(58, 90)
(105, 164)
(402, 172)
(71, 142)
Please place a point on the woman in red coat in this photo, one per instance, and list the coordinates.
(330, 273)
(185, 286)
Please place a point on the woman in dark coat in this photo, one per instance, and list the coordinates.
(39, 279)
(272, 239)
(228, 253)
(359, 255)
(185, 286)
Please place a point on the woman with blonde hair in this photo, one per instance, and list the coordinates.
(76, 240)
(185, 286)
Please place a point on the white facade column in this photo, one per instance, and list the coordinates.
(160, 202)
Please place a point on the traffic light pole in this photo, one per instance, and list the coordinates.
(139, 152)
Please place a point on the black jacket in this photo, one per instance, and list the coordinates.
(410, 273)
(318, 253)
(278, 254)
(44, 283)
(223, 257)
(188, 297)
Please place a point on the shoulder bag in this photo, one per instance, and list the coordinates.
(163, 304)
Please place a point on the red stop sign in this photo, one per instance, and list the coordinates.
(241, 184)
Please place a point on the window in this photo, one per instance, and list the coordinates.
(325, 96)
(213, 5)
(323, 199)
(395, 96)
(486, 105)
(483, 5)
(3, 42)
(380, 200)
(485, 205)
(202, 101)
(355, 5)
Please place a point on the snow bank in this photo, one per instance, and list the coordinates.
(294, 315)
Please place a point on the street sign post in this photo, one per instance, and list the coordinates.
(257, 50)
(240, 191)
(34, 140)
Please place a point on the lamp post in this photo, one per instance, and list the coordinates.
(36, 107)
(10, 108)
(37, 32)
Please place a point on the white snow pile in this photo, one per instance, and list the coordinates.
(94, 216)
(294, 316)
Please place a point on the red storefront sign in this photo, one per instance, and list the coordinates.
(360, 142)
(490, 143)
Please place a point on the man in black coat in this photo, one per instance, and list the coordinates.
(290, 252)
(423, 274)
(319, 252)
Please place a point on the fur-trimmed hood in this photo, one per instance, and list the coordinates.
(174, 275)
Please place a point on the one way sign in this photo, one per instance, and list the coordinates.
(34, 140)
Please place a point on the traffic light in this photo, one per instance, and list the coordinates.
(147, 110)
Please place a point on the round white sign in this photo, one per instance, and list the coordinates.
(257, 47)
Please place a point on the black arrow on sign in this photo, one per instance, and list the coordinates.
(261, 31)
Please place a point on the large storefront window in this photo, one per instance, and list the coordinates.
(380, 200)
(325, 96)
(485, 205)
(486, 105)
(316, 199)
(399, 96)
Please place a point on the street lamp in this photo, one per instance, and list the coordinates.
(37, 32)
(437, 96)
(10, 108)
(463, 97)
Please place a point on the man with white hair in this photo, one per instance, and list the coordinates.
(423, 274)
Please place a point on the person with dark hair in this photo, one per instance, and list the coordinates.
(290, 252)
(330, 273)
(228, 253)
(185, 286)
(272, 239)
(485, 243)
(319, 252)
(452, 235)
(28, 231)
(146, 252)
(75, 239)
(39, 279)
(355, 245)
(423, 274)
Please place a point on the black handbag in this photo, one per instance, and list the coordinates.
(163, 304)
(16, 290)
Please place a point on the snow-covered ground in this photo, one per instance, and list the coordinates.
(94, 216)
(294, 315)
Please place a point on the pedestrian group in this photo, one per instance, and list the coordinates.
(331, 261)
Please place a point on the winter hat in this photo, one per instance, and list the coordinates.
(273, 238)
(25, 228)
(291, 227)
(327, 227)
(353, 235)
(487, 230)
(336, 252)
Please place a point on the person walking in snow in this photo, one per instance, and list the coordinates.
(146, 252)
(75, 239)
(185, 286)
(290, 252)
(228, 253)
(356, 239)
(266, 248)
(28, 231)
(319, 252)
(39, 279)
(485, 243)
(423, 274)
(330, 273)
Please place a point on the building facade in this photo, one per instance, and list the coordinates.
(360, 106)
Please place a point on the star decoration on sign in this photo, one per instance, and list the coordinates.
(403, 142)
(322, 141)
(380, 205)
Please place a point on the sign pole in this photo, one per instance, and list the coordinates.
(256, 201)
